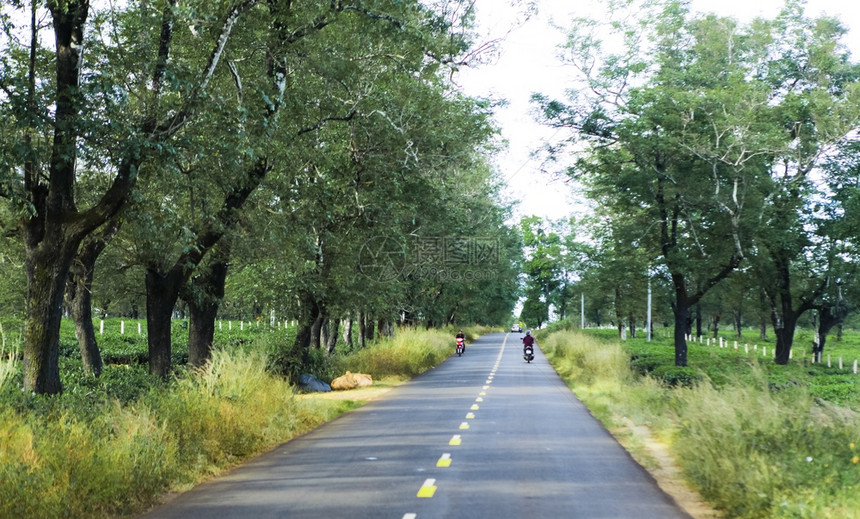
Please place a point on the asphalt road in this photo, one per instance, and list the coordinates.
(485, 435)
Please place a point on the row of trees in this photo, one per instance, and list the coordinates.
(304, 158)
(721, 160)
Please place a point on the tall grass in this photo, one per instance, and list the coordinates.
(757, 453)
(408, 353)
(87, 454)
(119, 458)
(752, 450)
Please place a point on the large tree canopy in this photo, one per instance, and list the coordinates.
(697, 139)
(192, 130)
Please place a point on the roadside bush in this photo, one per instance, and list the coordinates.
(77, 456)
(586, 359)
(676, 376)
(756, 453)
(109, 446)
(646, 362)
(408, 353)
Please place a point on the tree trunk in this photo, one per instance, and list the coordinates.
(368, 327)
(54, 231)
(82, 315)
(316, 329)
(162, 291)
(309, 321)
(201, 332)
(670, 216)
(303, 336)
(784, 315)
(325, 329)
(384, 328)
(829, 318)
(716, 321)
(681, 308)
(52, 236)
(79, 291)
(333, 335)
(698, 320)
(362, 330)
(738, 314)
(204, 298)
(348, 334)
(785, 339)
(681, 317)
(47, 272)
(816, 340)
(784, 321)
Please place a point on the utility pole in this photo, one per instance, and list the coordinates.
(649, 308)
(582, 312)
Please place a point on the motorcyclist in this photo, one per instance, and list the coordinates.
(528, 340)
(461, 335)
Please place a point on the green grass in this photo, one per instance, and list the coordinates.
(757, 440)
(86, 456)
(721, 365)
(408, 353)
(110, 446)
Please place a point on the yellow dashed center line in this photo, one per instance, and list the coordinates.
(428, 488)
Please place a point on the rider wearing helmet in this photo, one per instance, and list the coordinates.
(528, 340)
(461, 335)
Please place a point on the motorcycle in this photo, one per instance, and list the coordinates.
(461, 346)
(529, 354)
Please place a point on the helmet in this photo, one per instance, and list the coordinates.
(528, 332)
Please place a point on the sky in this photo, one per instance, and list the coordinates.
(527, 64)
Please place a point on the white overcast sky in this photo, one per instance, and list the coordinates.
(527, 64)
